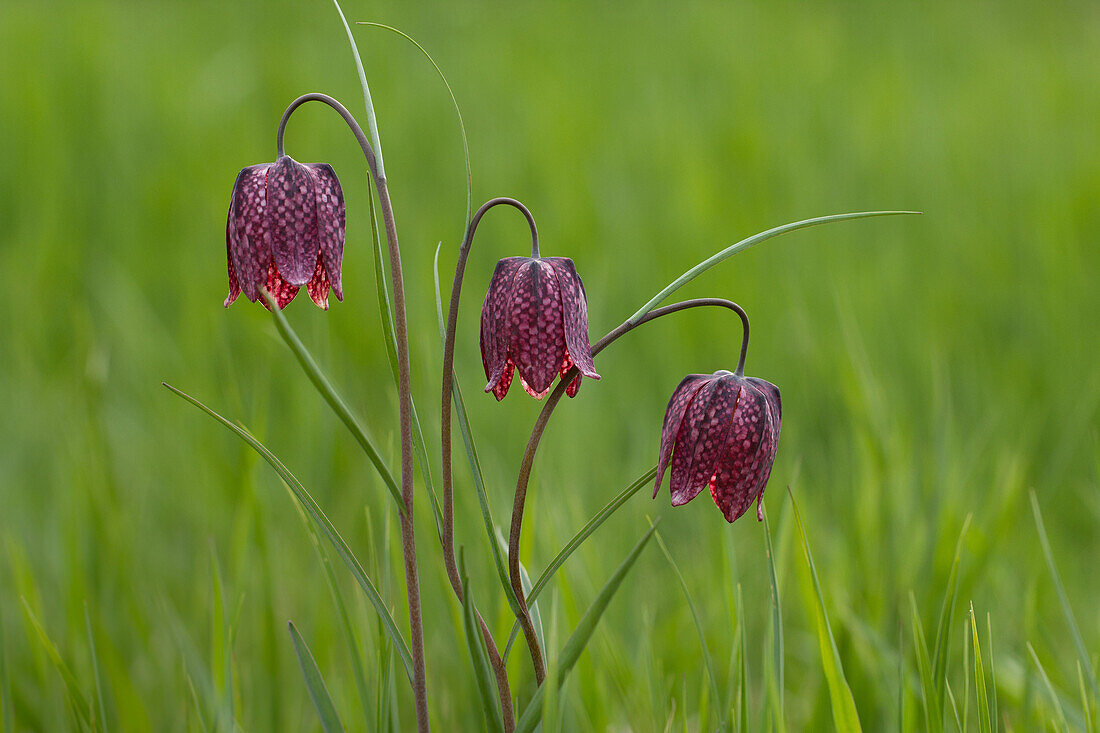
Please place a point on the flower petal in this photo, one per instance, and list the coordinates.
(575, 313)
(494, 322)
(234, 284)
(537, 343)
(292, 219)
(249, 239)
(735, 480)
(703, 434)
(281, 290)
(500, 389)
(317, 287)
(330, 222)
(674, 413)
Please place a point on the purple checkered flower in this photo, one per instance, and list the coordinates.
(721, 431)
(285, 229)
(535, 321)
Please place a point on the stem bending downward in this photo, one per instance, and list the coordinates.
(408, 540)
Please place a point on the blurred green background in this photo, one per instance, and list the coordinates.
(931, 367)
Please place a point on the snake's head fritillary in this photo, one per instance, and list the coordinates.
(720, 431)
(535, 322)
(285, 229)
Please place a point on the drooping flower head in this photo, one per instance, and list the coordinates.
(535, 321)
(285, 229)
(720, 431)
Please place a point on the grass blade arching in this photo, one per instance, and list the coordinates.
(845, 716)
(482, 674)
(1055, 700)
(320, 520)
(980, 691)
(569, 654)
(708, 662)
(933, 705)
(318, 692)
(1067, 611)
(578, 539)
(79, 704)
(942, 642)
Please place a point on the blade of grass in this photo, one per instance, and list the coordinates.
(954, 707)
(933, 707)
(1082, 651)
(475, 465)
(335, 401)
(195, 700)
(845, 716)
(1050, 688)
(577, 540)
(707, 661)
(966, 677)
(482, 674)
(744, 244)
(338, 599)
(100, 708)
(901, 678)
(318, 692)
(222, 650)
(79, 704)
(743, 667)
(372, 122)
(525, 585)
(320, 520)
(979, 678)
(994, 713)
(777, 618)
(581, 634)
(942, 643)
(1084, 698)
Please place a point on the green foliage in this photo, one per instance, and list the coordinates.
(318, 692)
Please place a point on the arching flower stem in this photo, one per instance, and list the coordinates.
(540, 426)
(408, 540)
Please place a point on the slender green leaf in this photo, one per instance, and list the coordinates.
(372, 122)
(845, 716)
(1085, 706)
(338, 599)
(222, 652)
(335, 401)
(81, 709)
(1082, 651)
(525, 585)
(979, 678)
(994, 713)
(475, 465)
(901, 678)
(777, 619)
(321, 521)
(744, 244)
(707, 661)
(954, 707)
(577, 540)
(482, 673)
(1050, 688)
(195, 700)
(581, 634)
(966, 677)
(742, 667)
(318, 692)
(100, 708)
(942, 643)
(933, 706)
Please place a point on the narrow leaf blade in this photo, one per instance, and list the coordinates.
(318, 692)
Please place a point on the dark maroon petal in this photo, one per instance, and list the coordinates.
(575, 312)
(703, 434)
(318, 285)
(734, 485)
(674, 413)
(771, 393)
(575, 383)
(495, 334)
(249, 239)
(282, 291)
(330, 222)
(234, 284)
(537, 343)
(292, 219)
(500, 389)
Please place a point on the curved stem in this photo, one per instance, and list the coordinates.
(448, 376)
(408, 540)
(548, 410)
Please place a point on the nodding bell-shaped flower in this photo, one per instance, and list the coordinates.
(535, 321)
(720, 431)
(285, 230)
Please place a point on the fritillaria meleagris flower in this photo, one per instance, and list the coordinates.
(285, 230)
(535, 321)
(721, 432)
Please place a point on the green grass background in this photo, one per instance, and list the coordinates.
(931, 367)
